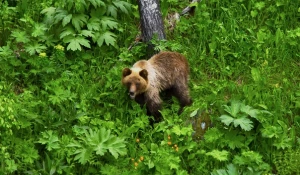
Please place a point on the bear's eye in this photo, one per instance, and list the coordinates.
(138, 84)
(128, 85)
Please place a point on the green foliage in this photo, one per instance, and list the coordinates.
(64, 111)
(50, 140)
(93, 19)
(17, 150)
(287, 162)
(231, 170)
(98, 142)
(219, 155)
(239, 113)
(8, 14)
(252, 161)
(239, 134)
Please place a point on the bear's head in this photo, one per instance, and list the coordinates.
(136, 80)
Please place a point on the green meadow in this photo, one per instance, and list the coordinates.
(63, 109)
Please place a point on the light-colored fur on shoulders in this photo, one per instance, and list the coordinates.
(153, 75)
(154, 87)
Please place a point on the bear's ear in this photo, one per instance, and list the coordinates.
(126, 72)
(144, 73)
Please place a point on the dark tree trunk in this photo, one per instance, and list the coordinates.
(151, 22)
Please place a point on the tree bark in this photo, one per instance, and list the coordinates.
(151, 22)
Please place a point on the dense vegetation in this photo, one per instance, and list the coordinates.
(64, 111)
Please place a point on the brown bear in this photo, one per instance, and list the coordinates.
(165, 71)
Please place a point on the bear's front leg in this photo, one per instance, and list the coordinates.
(153, 103)
(153, 110)
(140, 99)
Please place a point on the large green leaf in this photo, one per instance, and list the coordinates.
(66, 20)
(271, 131)
(107, 37)
(97, 3)
(116, 146)
(104, 141)
(104, 135)
(108, 22)
(50, 139)
(87, 33)
(83, 155)
(35, 48)
(219, 155)
(244, 123)
(260, 5)
(234, 140)
(67, 31)
(111, 11)
(49, 11)
(93, 24)
(5, 51)
(123, 6)
(20, 36)
(11, 166)
(283, 142)
(174, 162)
(248, 157)
(226, 119)
(181, 130)
(98, 139)
(213, 134)
(249, 110)
(79, 20)
(39, 30)
(234, 108)
(100, 149)
(76, 42)
(60, 14)
(98, 142)
(232, 170)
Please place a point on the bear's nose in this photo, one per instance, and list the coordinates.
(131, 93)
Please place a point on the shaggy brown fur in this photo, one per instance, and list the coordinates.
(165, 71)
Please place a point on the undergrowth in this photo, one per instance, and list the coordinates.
(64, 111)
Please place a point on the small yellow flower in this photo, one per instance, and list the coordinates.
(265, 63)
(43, 54)
(59, 47)
(136, 164)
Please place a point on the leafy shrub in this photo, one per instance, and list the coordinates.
(64, 111)
(76, 22)
(287, 162)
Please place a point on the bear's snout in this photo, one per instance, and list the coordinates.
(131, 94)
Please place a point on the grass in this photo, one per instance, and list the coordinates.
(67, 113)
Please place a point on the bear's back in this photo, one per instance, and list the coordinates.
(170, 63)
